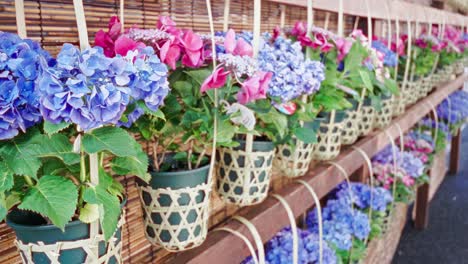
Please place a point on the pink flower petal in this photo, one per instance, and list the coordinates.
(243, 48)
(230, 41)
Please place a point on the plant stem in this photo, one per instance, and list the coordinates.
(29, 180)
(200, 158)
(189, 155)
(155, 155)
(82, 167)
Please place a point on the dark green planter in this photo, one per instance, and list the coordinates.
(340, 115)
(30, 227)
(367, 101)
(257, 146)
(174, 180)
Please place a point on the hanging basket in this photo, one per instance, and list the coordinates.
(41, 244)
(350, 131)
(398, 105)
(176, 208)
(294, 161)
(411, 93)
(459, 67)
(384, 117)
(428, 85)
(367, 118)
(329, 135)
(244, 177)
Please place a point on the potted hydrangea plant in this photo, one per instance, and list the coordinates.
(58, 185)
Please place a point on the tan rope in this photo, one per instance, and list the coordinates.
(345, 175)
(319, 216)
(255, 235)
(20, 19)
(394, 164)
(340, 19)
(436, 120)
(227, 4)
(369, 23)
(292, 222)
(282, 16)
(327, 20)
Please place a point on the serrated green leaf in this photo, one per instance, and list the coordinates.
(89, 213)
(305, 135)
(392, 86)
(109, 208)
(199, 76)
(54, 197)
(6, 177)
(51, 128)
(366, 80)
(3, 212)
(57, 146)
(112, 139)
(18, 153)
(132, 165)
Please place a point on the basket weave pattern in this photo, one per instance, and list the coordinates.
(350, 131)
(367, 120)
(88, 245)
(384, 117)
(166, 204)
(244, 178)
(294, 161)
(328, 141)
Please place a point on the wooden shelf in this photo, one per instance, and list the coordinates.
(269, 217)
(379, 10)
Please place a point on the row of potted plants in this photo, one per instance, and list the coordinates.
(300, 98)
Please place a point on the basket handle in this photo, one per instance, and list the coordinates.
(408, 54)
(369, 23)
(244, 238)
(436, 120)
(394, 164)
(319, 216)
(20, 19)
(122, 16)
(292, 221)
(340, 19)
(345, 175)
(397, 42)
(256, 237)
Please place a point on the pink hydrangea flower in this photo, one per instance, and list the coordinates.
(408, 180)
(254, 88)
(216, 80)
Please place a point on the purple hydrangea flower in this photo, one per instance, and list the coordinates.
(413, 166)
(390, 57)
(19, 67)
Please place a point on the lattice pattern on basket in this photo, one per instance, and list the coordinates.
(88, 245)
(367, 120)
(398, 105)
(176, 219)
(428, 85)
(244, 177)
(328, 141)
(411, 93)
(350, 131)
(459, 67)
(384, 116)
(294, 161)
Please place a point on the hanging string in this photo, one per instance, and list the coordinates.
(255, 235)
(227, 4)
(369, 23)
(292, 222)
(122, 18)
(340, 19)
(282, 16)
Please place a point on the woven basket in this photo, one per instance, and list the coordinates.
(428, 85)
(329, 135)
(293, 161)
(382, 249)
(176, 219)
(366, 124)
(459, 67)
(350, 131)
(244, 177)
(109, 251)
(384, 117)
(398, 106)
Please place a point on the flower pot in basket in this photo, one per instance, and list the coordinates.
(329, 135)
(367, 117)
(384, 117)
(42, 243)
(243, 178)
(459, 67)
(350, 131)
(294, 161)
(176, 207)
(411, 92)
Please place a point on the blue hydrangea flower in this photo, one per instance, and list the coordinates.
(19, 67)
(430, 123)
(279, 249)
(362, 195)
(390, 58)
(293, 75)
(454, 110)
(91, 90)
(412, 165)
(385, 156)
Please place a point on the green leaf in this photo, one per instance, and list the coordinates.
(392, 86)
(132, 165)
(54, 197)
(51, 128)
(199, 76)
(112, 139)
(18, 153)
(305, 135)
(109, 208)
(89, 213)
(366, 80)
(3, 212)
(6, 177)
(158, 113)
(57, 146)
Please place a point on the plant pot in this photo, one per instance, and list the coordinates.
(176, 208)
(42, 243)
(329, 135)
(244, 177)
(365, 126)
(350, 131)
(384, 117)
(294, 161)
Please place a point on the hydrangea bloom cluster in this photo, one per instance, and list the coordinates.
(430, 123)
(341, 223)
(19, 69)
(362, 196)
(407, 161)
(279, 249)
(386, 155)
(455, 110)
(91, 90)
(389, 57)
(292, 74)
